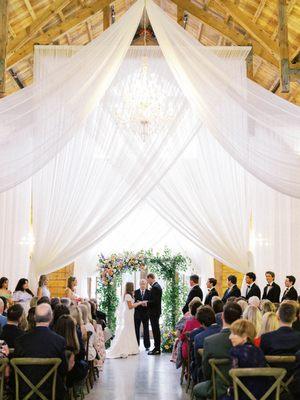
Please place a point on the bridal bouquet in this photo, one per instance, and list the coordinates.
(113, 266)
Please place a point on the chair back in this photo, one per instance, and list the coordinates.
(223, 374)
(3, 364)
(276, 373)
(35, 387)
(89, 334)
(287, 362)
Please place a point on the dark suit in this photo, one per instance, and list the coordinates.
(10, 333)
(274, 293)
(215, 346)
(254, 291)
(141, 315)
(154, 306)
(233, 292)
(283, 341)
(42, 343)
(290, 294)
(194, 292)
(213, 292)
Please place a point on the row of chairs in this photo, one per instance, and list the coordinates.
(277, 368)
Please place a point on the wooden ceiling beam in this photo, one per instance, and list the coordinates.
(106, 17)
(253, 30)
(58, 30)
(3, 43)
(259, 10)
(221, 27)
(180, 14)
(44, 18)
(30, 9)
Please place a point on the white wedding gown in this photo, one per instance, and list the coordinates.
(124, 343)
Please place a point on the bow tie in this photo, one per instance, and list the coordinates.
(249, 286)
(269, 284)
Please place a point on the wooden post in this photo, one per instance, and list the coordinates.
(180, 14)
(3, 43)
(283, 46)
(249, 64)
(106, 17)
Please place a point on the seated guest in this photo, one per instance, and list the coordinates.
(66, 327)
(290, 292)
(3, 319)
(267, 306)
(191, 324)
(253, 315)
(212, 291)
(43, 299)
(55, 301)
(43, 290)
(243, 303)
(59, 310)
(217, 306)
(217, 346)
(269, 323)
(194, 292)
(90, 328)
(272, 290)
(77, 315)
(283, 341)
(252, 288)
(66, 301)
(11, 331)
(245, 355)
(254, 301)
(296, 324)
(23, 294)
(31, 319)
(41, 342)
(233, 290)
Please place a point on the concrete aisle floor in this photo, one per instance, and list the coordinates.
(139, 378)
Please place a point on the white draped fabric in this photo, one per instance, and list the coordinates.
(75, 132)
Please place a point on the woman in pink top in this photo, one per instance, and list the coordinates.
(191, 324)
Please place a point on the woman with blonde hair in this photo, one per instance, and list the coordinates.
(89, 328)
(243, 303)
(267, 306)
(253, 314)
(269, 323)
(43, 290)
(76, 313)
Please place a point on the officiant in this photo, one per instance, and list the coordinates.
(141, 314)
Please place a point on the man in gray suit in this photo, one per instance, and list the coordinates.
(217, 346)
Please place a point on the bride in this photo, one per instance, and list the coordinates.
(125, 343)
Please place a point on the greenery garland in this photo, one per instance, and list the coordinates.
(166, 266)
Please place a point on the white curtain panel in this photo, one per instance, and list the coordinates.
(14, 233)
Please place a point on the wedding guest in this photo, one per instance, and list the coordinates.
(254, 301)
(245, 355)
(3, 319)
(212, 291)
(90, 328)
(43, 290)
(217, 306)
(58, 311)
(190, 325)
(70, 291)
(283, 341)
(77, 315)
(43, 299)
(269, 323)
(243, 303)
(253, 315)
(4, 291)
(30, 319)
(290, 292)
(65, 301)
(66, 327)
(23, 294)
(11, 330)
(154, 306)
(272, 290)
(194, 292)
(233, 290)
(54, 302)
(267, 306)
(252, 288)
(33, 301)
(141, 314)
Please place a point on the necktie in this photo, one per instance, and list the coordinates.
(142, 295)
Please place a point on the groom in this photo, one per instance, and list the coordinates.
(154, 307)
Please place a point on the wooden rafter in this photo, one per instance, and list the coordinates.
(288, 11)
(44, 18)
(57, 31)
(221, 27)
(30, 9)
(180, 14)
(3, 42)
(259, 10)
(89, 30)
(253, 30)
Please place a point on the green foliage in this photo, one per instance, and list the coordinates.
(108, 300)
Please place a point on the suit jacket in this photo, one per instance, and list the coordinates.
(194, 292)
(283, 341)
(154, 302)
(234, 292)
(199, 339)
(141, 312)
(291, 294)
(217, 346)
(41, 342)
(10, 333)
(213, 292)
(274, 293)
(254, 291)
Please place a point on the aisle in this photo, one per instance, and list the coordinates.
(140, 377)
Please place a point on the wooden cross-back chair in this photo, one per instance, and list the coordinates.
(3, 365)
(215, 363)
(276, 373)
(286, 362)
(35, 387)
